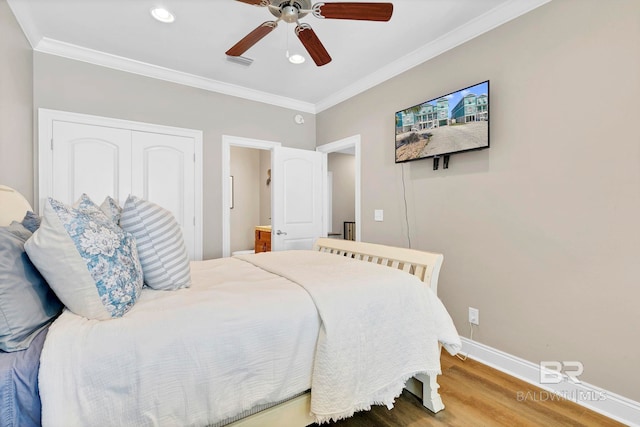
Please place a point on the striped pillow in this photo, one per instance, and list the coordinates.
(161, 249)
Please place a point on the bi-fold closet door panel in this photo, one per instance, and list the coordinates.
(164, 173)
(108, 161)
(95, 160)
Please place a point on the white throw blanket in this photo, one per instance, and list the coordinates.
(380, 326)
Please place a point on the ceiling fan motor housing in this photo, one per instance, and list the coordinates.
(289, 11)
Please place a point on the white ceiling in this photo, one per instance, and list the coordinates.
(121, 34)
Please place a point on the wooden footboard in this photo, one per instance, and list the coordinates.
(424, 265)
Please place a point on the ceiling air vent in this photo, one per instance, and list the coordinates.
(242, 60)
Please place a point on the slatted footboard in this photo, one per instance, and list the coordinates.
(424, 265)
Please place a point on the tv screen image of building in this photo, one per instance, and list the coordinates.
(449, 124)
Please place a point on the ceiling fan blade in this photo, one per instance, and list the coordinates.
(350, 10)
(255, 2)
(252, 38)
(312, 43)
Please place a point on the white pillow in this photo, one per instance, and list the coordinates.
(90, 263)
(163, 254)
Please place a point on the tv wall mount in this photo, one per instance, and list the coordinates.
(445, 162)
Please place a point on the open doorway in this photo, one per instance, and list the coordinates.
(232, 188)
(340, 157)
(250, 196)
(297, 211)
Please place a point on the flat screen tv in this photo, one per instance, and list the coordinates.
(448, 124)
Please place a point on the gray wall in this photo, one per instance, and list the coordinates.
(16, 105)
(541, 232)
(68, 85)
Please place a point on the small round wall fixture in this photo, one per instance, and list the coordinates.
(298, 119)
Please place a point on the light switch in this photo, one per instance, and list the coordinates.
(378, 215)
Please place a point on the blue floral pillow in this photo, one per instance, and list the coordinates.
(90, 263)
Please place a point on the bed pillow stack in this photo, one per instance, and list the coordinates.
(163, 254)
(91, 264)
(27, 304)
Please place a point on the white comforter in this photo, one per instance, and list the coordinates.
(241, 336)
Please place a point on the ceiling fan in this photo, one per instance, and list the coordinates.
(291, 11)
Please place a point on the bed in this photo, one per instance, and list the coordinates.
(282, 338)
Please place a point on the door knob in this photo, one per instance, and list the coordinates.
(279, 232)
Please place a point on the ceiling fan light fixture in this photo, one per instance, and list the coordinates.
(163, 15)
(296, 59)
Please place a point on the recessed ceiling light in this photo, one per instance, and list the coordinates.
(162, 15)
(296, 59)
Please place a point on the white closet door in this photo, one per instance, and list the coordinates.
(101, 156)
(164, 173)
(90, 159)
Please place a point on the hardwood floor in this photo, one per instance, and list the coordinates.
(477, 395)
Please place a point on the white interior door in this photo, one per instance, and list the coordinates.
(95, 160)
(164, 174)
(296, 210)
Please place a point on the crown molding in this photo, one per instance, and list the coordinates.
(79, 53)
(480, 25)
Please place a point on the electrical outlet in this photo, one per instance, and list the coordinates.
(474, 316)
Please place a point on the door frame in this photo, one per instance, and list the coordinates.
(227, 142)
(351, 142)
(43, 164)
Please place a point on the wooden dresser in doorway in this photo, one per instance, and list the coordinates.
(263, 238)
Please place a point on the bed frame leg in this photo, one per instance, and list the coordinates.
(427, 389)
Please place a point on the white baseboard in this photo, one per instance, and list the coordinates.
(595, 398)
